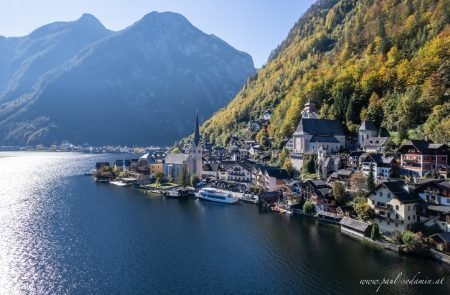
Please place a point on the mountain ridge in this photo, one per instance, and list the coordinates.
(144, 70)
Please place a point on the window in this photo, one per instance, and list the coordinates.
(396, 225)
(380, 194)
(396, 216)
(409, 217)
(389, 195)
(396, 207)
(409, 208)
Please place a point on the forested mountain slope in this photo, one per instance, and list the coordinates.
(386, 61)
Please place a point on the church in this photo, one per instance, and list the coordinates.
(195, 163)
(313, 133)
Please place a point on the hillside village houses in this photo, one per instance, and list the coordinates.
(402, 199)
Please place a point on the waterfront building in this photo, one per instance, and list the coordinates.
(435, 209)
(175, 165)
(269, 178)
(419, 157)
(320, 194)
(353, 227)
(239, 173)
(395, 206)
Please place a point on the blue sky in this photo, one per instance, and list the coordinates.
(254, 26)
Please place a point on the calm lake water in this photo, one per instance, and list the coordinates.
(62, 233)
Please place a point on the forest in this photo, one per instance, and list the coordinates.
(381, 60)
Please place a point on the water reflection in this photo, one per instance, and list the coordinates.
(61, 233)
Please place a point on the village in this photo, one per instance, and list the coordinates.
(397, 198)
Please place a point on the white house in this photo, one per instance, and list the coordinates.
(395, 206)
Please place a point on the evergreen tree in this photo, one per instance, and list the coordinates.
(370, 179)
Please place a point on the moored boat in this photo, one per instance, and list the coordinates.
(214, 195)
(123, 181)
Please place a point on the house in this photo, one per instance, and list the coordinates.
(211, 170)
(269, 178)
(342, 175)
(156, 167)
(175, 165)
(239, 173)
(312, 133)
(320, 194)
(353, 227)
(435, 209)
(419, 157)
(395, 206)
(442, 241)
(353, 159)
(382, 166)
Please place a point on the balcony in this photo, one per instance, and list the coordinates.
(385, 209)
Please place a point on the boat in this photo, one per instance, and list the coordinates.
(101, 179)
(177, 193)
(123, 181)
(91, 172)
(214, 195)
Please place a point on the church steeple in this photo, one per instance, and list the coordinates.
(197, 132)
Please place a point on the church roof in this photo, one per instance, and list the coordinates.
(318, 138)
(197, 132)
(176, 158)
(368, 126)
(321, 127)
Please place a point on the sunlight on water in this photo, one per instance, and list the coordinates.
(26, 182)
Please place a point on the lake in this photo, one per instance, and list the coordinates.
(62, 233)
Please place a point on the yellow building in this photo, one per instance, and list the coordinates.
(156, 167)
(395, 206)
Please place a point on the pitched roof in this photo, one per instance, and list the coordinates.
(176, 158)
(321, 127)
(318, 138)
(367, 126)
(354, 224)
(396, 187)
(278, 173)
(424, 146)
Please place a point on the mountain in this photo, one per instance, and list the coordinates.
(142, 85)
(25, 59)
(386, 61)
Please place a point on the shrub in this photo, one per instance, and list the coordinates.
(309, 207)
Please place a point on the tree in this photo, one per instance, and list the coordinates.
(288, 167)
(309, 207)
(175, 150)
(357, 182)
(159, 177)
(338, 192)
(413, 242)
(375, 232)
(364, 211)
(370, 179)
(194, 180)
(184, 177)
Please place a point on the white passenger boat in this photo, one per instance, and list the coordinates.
(214, 195)
(123, 181)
